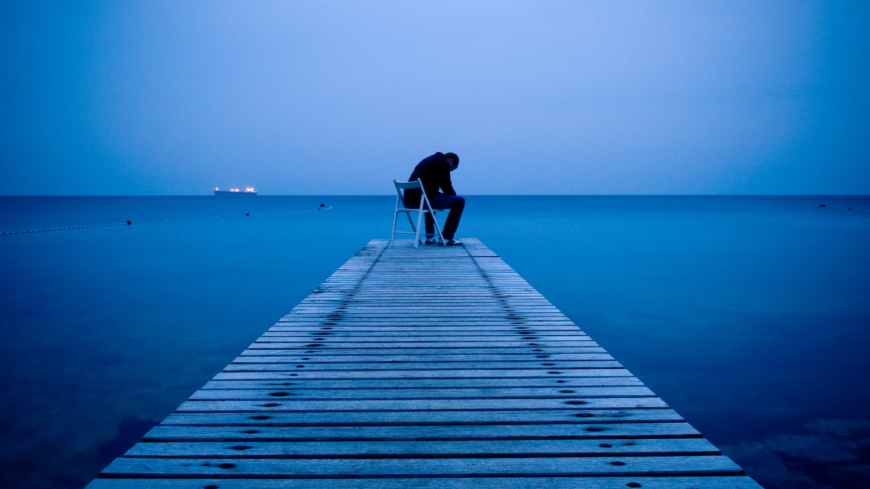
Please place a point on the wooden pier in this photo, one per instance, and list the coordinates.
(424, 368)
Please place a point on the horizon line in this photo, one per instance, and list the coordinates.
(469, 195)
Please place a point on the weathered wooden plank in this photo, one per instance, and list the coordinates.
(491, 308)
(414, 318)
(703, 482)
(423, 323)
(364, 295)
(479, 307)
(457, 329)
(411, 418)
(503, 294)
(437, 383)
(279, 356)
(364, 298)
(290, 392)
(429, 296)
(266, 349)
(268, 343)
(251, 374)
(376, 297)
(421, 433)
(412, 311)
(355, 406)
(421, 335)
(453, 298)
(495, 309)
(456, 467)
(458, 298)
(499, 313)
(414, 305)
(434, 315)
(450, 361)
(419, 366)
(390, 341)
(427, 449)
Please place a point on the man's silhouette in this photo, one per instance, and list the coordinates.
(434, 172)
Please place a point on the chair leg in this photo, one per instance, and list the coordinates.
(395, 215)
(437, 227)
(411, 221)
(417, 236)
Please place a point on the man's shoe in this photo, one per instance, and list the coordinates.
(431, 241)
(453, 242)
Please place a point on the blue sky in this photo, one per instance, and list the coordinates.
(333, 97)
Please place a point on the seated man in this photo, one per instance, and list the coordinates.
(434, 171)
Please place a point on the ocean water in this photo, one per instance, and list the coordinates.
(749, 315)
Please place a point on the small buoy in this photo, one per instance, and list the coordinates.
(822, 205)
(321, 205)
(247, 213)
(128, 223)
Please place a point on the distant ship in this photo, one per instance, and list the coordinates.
(250, 192)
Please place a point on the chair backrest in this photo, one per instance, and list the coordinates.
(417, 184)
(403, 185)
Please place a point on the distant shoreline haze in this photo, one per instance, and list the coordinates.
(540, 98)
(473, 195)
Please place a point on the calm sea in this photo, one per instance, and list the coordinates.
(749, 315)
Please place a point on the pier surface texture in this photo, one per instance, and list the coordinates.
(436, 367)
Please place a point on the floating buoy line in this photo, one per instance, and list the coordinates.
(845, 208)
(278, 212)
(129, 223)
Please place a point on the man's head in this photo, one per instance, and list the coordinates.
(452, 159)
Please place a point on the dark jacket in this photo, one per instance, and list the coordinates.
(434, 171)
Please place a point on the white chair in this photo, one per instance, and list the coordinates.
(420, 211)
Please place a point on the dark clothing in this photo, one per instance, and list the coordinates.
(434, 172)
(453, 202)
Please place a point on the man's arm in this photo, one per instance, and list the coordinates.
(446, 184)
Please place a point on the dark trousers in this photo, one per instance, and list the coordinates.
(440, 201)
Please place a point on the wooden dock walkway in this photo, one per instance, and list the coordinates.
(424, 368)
